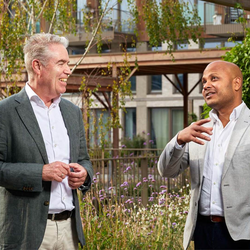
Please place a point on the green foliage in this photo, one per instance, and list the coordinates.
(206, 110)
(240, 55)
(172, 22)
(138, 141)
(19, 20)
(192, 117)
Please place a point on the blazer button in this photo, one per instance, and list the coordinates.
(46, 203)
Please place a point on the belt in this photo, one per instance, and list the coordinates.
(212, 218)
(61, 216)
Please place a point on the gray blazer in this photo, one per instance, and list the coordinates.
(24, 197)
(235, 184)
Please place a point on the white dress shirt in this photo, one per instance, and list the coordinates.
(211, 197)
(56, 141)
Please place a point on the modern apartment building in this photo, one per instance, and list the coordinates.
(164, 92)
(157, 107)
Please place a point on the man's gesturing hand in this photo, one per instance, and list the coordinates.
(78, 177)
(55, 171)
(195, 131)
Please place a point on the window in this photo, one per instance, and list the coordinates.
(211, 45)
(182, 46)
(133, 83)
(106, 48)
(130, 122)
(156, 83)
(98, 129)
(165, 123)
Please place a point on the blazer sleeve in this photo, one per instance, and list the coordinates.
(173, 161)
(83, 157)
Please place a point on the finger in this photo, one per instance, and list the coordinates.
(201, 136)
(203, 121)
(202, 129)
(194, 139)
(74, 185)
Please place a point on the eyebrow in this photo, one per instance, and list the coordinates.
(62, 60)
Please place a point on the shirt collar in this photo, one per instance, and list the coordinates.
(35, 98)
(233, 116)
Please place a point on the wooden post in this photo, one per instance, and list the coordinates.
(115, 130)
(185, 99)
(144, 176)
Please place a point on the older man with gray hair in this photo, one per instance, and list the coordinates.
(43, 155)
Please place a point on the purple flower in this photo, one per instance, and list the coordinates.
(138, 184)
(128, 168)
(151, 199)
(148, 133)
(145, 143)
(125, 183)
(123, 146)
(97, 173)
(163, 187)
(161, 202)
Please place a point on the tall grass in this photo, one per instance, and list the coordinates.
(112, 222)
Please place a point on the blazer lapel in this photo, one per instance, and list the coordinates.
(26, 114)
(239, 129)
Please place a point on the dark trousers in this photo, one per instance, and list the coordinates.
(214, 235)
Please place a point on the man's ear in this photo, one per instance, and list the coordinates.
(36, 65)
(237, 83)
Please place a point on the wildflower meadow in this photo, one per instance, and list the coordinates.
(114, 221)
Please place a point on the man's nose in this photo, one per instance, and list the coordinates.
(206, 85)
(67, 70)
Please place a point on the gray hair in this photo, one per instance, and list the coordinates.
(37, 47)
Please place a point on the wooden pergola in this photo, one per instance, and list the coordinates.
(150, 63)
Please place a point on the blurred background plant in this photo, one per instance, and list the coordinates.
(113, 221)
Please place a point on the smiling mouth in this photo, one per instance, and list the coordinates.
(63, 79)
(209, 94)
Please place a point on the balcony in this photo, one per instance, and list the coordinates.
(109, 27)
(226, 30)
(221, 21)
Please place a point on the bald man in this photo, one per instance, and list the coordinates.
(217, 150)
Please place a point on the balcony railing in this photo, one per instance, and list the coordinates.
(132, 173)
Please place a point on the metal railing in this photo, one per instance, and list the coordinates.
(132, 174)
